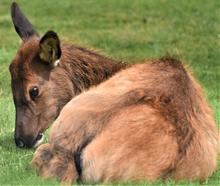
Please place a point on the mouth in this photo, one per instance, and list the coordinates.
(39, 140)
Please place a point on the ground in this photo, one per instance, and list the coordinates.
(123, 29)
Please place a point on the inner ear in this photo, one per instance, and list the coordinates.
(50, 50)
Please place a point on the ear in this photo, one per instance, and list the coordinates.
(22, 26)
(50, 50)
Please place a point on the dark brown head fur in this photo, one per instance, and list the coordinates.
(46, 74)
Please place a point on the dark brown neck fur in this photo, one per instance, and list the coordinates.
(86, 68)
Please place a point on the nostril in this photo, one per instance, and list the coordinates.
(19, 143)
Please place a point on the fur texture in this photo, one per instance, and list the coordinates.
(147, 122)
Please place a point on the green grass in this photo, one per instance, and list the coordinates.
(123, 29)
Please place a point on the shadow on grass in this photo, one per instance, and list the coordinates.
(7, 145)
(7, 142)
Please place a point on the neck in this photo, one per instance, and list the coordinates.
(86, 68)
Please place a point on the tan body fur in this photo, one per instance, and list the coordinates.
(149, 121)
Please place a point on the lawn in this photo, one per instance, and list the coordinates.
(123, 29)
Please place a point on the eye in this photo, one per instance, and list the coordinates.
(34, 91)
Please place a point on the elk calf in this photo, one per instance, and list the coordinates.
(149, 121)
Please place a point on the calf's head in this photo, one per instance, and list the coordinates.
(33, 73)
